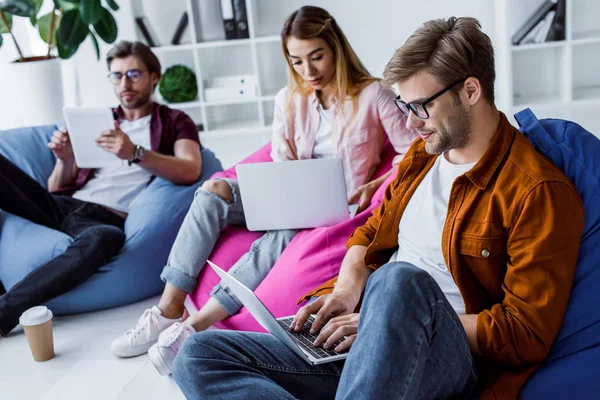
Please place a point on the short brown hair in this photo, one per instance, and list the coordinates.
(125, 49)
(450, 50)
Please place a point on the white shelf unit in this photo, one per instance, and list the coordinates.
(555, 79)
(238, 125)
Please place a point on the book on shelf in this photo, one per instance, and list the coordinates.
(147, 32)
(540, 31)
(557, 31)
(241, 19)
(536, 23)
(181, 26)
(228, 19)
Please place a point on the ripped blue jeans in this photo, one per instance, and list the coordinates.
(207, 217)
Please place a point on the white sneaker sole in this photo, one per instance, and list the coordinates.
(159, 362)
(127, 352)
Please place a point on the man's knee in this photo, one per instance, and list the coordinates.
(398, 277)
(202, 346)
(220, 188)
(106, 236)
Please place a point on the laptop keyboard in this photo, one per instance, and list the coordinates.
(305, 339)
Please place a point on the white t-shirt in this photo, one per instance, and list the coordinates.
(324, 140)
(118, 187)
(421, 225)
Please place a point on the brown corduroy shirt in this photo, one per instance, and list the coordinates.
(510, 241)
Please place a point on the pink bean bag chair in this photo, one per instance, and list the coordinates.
(313, 257)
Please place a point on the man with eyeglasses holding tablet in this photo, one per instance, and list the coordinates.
(91, 205)
(457, 285)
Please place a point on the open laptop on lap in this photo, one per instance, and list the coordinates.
(299, 342)
(294, 194)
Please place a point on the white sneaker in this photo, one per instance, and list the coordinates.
(163, 353)
(144, 334)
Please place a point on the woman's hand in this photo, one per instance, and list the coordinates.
(363, 195)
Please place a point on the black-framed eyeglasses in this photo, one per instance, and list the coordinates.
(419, 108)
(133, 75)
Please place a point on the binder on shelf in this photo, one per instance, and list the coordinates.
(228, 19)
(146, 30)
(533, 21)
(181, 26)
(241, 19)
(557, 30)
(541, 37)
(539, 33)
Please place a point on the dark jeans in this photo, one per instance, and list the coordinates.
(410, 345)
(97, 232)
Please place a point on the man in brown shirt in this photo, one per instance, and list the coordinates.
(464, 271)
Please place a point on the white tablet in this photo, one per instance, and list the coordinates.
(84, 125)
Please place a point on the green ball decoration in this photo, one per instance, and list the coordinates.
(178, 84)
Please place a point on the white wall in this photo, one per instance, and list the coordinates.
(375, 29)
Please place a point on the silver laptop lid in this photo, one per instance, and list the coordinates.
(293, 194)
(258, 310)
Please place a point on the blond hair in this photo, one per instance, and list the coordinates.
(310, 22)
(450, 50)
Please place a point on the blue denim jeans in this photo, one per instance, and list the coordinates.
(198, 235)
(97, 237)
(410, 345)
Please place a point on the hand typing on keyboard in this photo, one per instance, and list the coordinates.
(338, 328)
(333, 310)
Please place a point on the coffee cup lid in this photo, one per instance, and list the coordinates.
(35, 316)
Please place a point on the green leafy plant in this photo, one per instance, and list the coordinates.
(178, 84)
(65, 27)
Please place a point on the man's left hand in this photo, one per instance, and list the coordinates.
(344, 327)
(117, 142)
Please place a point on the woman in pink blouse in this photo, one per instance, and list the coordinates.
(332, 107)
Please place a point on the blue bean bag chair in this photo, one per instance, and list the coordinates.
(572, 369)
(150, 230)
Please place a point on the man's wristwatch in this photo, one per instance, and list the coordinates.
(138, 155)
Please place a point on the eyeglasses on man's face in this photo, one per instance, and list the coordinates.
(419, 108)
(133, 75)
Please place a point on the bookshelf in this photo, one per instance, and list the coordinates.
(558, 79)
(203, 48)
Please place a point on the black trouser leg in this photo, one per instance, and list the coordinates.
(98, 237)
(90, 250)
(21, 195)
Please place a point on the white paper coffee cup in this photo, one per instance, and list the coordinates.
(37, 324)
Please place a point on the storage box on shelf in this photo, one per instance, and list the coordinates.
(557, 79)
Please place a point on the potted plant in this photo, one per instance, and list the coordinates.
(64, 29)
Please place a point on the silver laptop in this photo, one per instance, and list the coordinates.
(294, 194)
(299, 342)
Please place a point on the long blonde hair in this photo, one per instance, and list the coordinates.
(351, 76)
